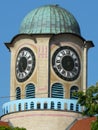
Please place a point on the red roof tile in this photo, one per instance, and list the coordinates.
(83, 124)
(4, 123)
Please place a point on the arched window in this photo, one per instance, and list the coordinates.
(32, 105)
(72, 90)
(30, 91)
(59, 105)
(18, 93)
(57, 91)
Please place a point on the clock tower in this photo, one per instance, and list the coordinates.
(48, 64)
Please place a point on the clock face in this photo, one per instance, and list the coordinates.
(66, 63)
(25, 64)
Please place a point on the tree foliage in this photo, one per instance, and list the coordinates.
(89, 100)
(11, 128)
(94, 125)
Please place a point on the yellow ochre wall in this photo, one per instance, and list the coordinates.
(44, 76)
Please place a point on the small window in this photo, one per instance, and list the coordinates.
(77, 107)
(26, 106)
(6, 109)
(38, 105)
(30, 91)
(57, 91)
(19, 107)
(45, 105)
(59, 105)
(32, 105)
(72, 90)
(52, 105)
(72, 106)
(18, 93)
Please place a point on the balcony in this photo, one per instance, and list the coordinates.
(41, 104)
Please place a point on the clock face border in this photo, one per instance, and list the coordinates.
(25, 55)
(73, 71)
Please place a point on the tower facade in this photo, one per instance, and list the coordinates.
(48, 63)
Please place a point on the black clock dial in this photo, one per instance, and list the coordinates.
(25, 64)
(22, 64)
(66, 63)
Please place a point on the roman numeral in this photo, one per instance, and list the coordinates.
(59, 67)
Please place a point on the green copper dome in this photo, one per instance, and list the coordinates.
(49, 19)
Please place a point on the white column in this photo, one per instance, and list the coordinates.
(85, 68)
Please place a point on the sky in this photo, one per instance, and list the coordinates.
(12, 13)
